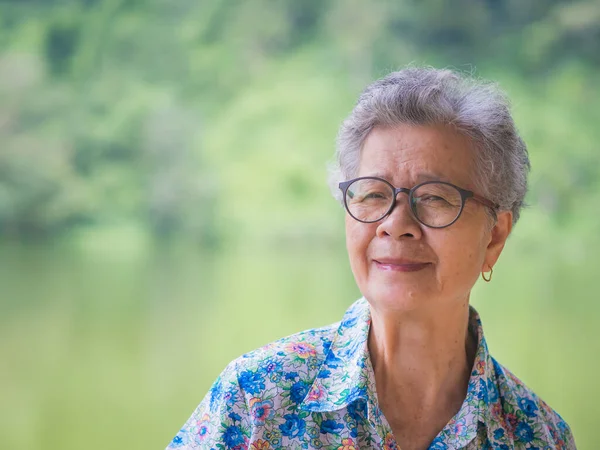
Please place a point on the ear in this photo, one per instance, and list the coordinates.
(497, 238)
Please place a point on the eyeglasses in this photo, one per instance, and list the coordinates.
(435, 204)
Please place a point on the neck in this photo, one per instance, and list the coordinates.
(423, 358)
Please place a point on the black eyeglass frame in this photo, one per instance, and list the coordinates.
(464, 195)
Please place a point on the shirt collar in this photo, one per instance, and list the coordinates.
(344, 376)
(483, 391)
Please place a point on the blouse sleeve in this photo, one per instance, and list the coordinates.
(221, 420)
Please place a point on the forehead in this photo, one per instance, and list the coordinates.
(410, 154)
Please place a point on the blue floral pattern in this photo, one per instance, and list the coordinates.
(316, 390)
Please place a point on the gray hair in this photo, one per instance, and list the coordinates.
(428, 96)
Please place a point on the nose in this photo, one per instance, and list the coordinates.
(400, 223)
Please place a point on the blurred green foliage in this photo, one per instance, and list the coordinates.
(159, 114)
(131, 128)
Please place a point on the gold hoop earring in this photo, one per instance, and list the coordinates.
(488, 279)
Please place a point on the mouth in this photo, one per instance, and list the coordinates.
(400, 265)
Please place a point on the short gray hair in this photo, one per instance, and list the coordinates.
(428, 96)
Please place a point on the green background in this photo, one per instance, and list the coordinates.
(164, 206)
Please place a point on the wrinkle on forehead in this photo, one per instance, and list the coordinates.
(417, 153)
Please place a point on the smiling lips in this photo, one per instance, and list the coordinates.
(399, 265)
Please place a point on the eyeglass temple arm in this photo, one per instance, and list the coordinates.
(485, 201)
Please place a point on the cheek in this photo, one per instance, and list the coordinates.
(358, 238)
(460, 256)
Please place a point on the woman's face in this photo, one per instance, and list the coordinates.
(401, 264)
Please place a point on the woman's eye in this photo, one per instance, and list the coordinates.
(432, 199)
(374, 195)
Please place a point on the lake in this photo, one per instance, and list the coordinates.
(113, 345)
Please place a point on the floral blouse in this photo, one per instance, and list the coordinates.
(316, 390)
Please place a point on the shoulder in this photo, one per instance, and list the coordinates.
(296, 356)
(273, 369)
(527, 417)
(303, 344)
(255, 389)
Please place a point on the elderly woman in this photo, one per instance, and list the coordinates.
(432, 174)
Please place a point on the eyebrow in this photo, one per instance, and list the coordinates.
(421, 177)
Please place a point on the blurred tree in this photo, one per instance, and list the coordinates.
(102, 99)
